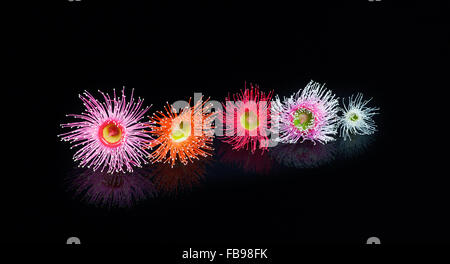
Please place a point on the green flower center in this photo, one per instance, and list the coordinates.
(249, 120)
(303, 119)
(181, 131)
(354, 117)
(112, 133)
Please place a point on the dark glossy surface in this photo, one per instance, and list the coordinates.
(292, 194)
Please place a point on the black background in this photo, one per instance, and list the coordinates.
(392, 52)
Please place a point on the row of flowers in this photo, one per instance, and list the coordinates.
(112, 135)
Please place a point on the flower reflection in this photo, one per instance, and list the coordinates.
(255, 162)
(170, 180)
(357, 145)
(304, 155)
(117, 190)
